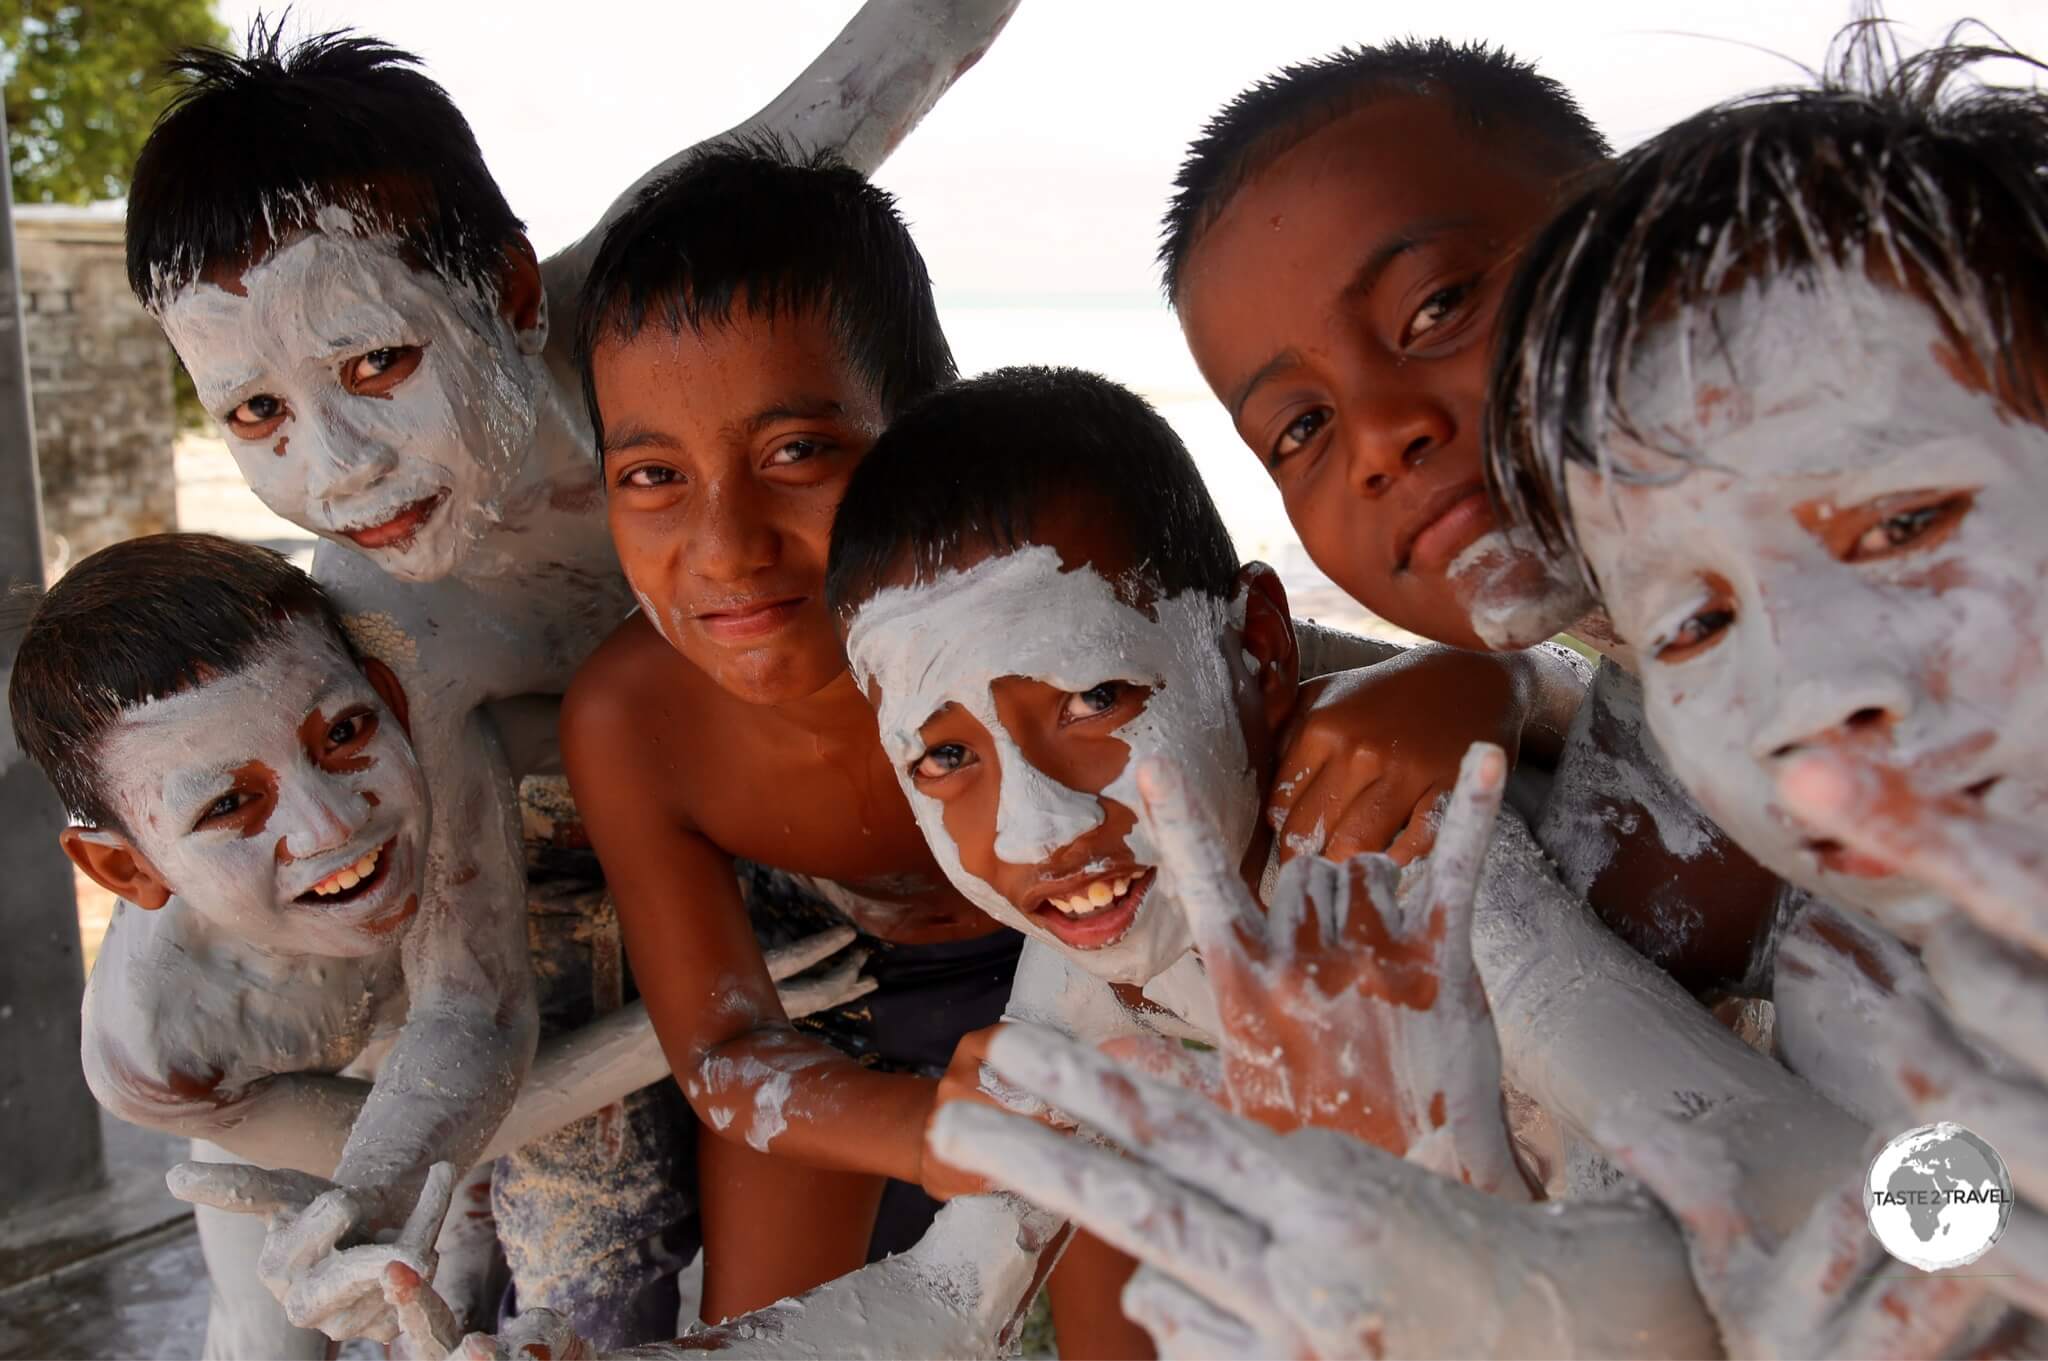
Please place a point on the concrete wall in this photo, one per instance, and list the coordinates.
(100, 373)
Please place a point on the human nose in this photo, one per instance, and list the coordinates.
(1391, 433)
(1861, 707)
(315, 816)
(730, 536)
(342, 458)
(1036, 815)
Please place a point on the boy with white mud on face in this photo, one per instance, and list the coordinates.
(1038, 626)
(1780, 389)
(360, 310)
(243, 778)
(1336, 252)
(235, 771)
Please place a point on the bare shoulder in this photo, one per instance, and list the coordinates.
(141, 1063)
(636, 707)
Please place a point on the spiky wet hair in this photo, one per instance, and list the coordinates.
(1908, 166)
(142, 619)
(976, 462)
(1499, 96)
(756, 225)
(255, 145)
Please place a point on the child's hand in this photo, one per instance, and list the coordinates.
(968, 1078)
(1354, 1004)
(333, 1289)
(1364, 763)
(1995, 870)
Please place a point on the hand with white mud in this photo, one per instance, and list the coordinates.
(1253, 1243)
(1371, 753)
(1353, 1003)
(1992, 868)
(1860, 1018)
(319, 1260)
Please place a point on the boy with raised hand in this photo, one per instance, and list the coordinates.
(360, 311)
(1336, 250)
(752, 324)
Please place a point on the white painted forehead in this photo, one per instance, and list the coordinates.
(1019, 614)
(278, 682)
(1795, 342)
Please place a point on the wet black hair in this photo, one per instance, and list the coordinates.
(255, 145)
(754, 224)
(136, 621)
(1899, 164)
(1501, 97)
(976, 463)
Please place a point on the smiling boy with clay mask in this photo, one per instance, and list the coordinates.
(1037, 625)
(243, 779)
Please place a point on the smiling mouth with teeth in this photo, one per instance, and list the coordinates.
(351, 881)
(1099, 914)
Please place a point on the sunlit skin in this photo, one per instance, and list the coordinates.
(740, 733)
(1341, 308)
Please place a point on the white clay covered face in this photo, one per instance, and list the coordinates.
(282, 802)
(367, 401)
(1016, 700)
(1856, 559)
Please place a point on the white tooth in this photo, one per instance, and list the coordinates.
(1120, 886)
(348, 878)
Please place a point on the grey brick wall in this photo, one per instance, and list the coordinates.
(100, 375)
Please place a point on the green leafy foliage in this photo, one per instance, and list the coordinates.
(84, 84)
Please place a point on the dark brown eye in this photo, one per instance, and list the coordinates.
(941, 760)
(1089, 703)
(377, 372)
(1296, 436)
(1915, 526)
(256, 417)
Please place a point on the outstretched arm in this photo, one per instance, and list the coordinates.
(860, 97)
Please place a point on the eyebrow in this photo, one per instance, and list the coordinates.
(1362, 282)
(632, 435)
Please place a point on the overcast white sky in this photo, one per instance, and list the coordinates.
(1043, 172)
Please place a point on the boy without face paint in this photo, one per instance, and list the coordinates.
(1337, 251)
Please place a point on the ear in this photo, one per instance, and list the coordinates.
(385, 683)
(1267, 643)
(109, 860)
(522, 297)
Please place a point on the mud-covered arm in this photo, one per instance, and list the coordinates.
(471, 1020)
(749, 1074)
(1315, 1244)
(1762, 1172)
(859, 97)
